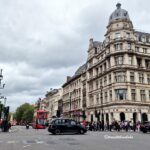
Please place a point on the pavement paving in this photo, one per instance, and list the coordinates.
(22, 139)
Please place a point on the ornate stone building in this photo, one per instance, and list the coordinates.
(118, 72)
(53, 103)
(74, 101)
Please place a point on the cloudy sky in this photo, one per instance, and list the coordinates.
(43, 41)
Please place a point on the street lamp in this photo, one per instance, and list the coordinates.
(102, 107)
(70, 105)
(2, 97)
(3, 107)
(1, 78)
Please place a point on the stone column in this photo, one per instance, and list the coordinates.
(128, 116)
(134, 61)
(143, 63)
(128, 76)
(136, 75)
(117, 116)
(129, 93)
(138, 116)
(138, 96)
(126, 59)
(110, 119)
(104, 118)
(112, 61)
(148, 116)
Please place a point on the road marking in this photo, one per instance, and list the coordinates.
(10, 142)
(26, 146)
(39, 142)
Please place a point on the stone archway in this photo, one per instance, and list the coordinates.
(107, 117)
(134, 117)
(122, 116)
(144, 117)
(92, 118)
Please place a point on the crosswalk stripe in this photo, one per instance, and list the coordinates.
(10, 142)
(26, 146)
(39, 142)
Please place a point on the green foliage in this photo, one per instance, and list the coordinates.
(24, 113)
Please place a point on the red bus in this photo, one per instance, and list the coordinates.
(40, 119)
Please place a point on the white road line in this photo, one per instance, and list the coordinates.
(10, 142)
(39, 142)
(26, 146)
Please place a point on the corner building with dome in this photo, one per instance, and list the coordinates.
(118, 73)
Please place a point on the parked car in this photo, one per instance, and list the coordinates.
(61, 125)
(145, 127)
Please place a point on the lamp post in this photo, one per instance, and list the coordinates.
(70, 105)
(1, 97)
(3, 107)
(102, 119)
(1, 78)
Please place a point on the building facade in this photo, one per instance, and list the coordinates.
(53, 103)
(118, 72)
(72, 95)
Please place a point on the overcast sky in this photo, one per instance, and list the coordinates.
(43, 41)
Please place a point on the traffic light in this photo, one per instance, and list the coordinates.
(83, 114)
(1, 108)
(6, 111)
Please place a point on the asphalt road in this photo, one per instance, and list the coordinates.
(21, 139)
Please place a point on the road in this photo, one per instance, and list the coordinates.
(21, 139)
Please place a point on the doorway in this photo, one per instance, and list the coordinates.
(122, 116)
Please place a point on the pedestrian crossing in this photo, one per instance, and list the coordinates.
(32, 142)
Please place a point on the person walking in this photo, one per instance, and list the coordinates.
(36, 124)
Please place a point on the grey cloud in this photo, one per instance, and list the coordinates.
(41, 42)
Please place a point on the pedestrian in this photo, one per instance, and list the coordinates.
(138, 126)
(94, 126)
(102, 125)
(36, 124)
(9, 125)
(98, 126)
(134, 126)
(126, 126)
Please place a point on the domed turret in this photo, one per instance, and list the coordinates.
(119, 13)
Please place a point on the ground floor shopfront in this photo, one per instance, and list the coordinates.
(119, 113)
(74, 114)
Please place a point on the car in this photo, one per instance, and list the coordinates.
(145, 127)
(63, 125)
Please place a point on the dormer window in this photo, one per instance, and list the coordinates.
(136, 38)
(95, 50)
(143, 39)
(125, 14)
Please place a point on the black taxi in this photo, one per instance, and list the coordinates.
(61, 125)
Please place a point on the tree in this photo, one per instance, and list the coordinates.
(28, 115)
(24, 113)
